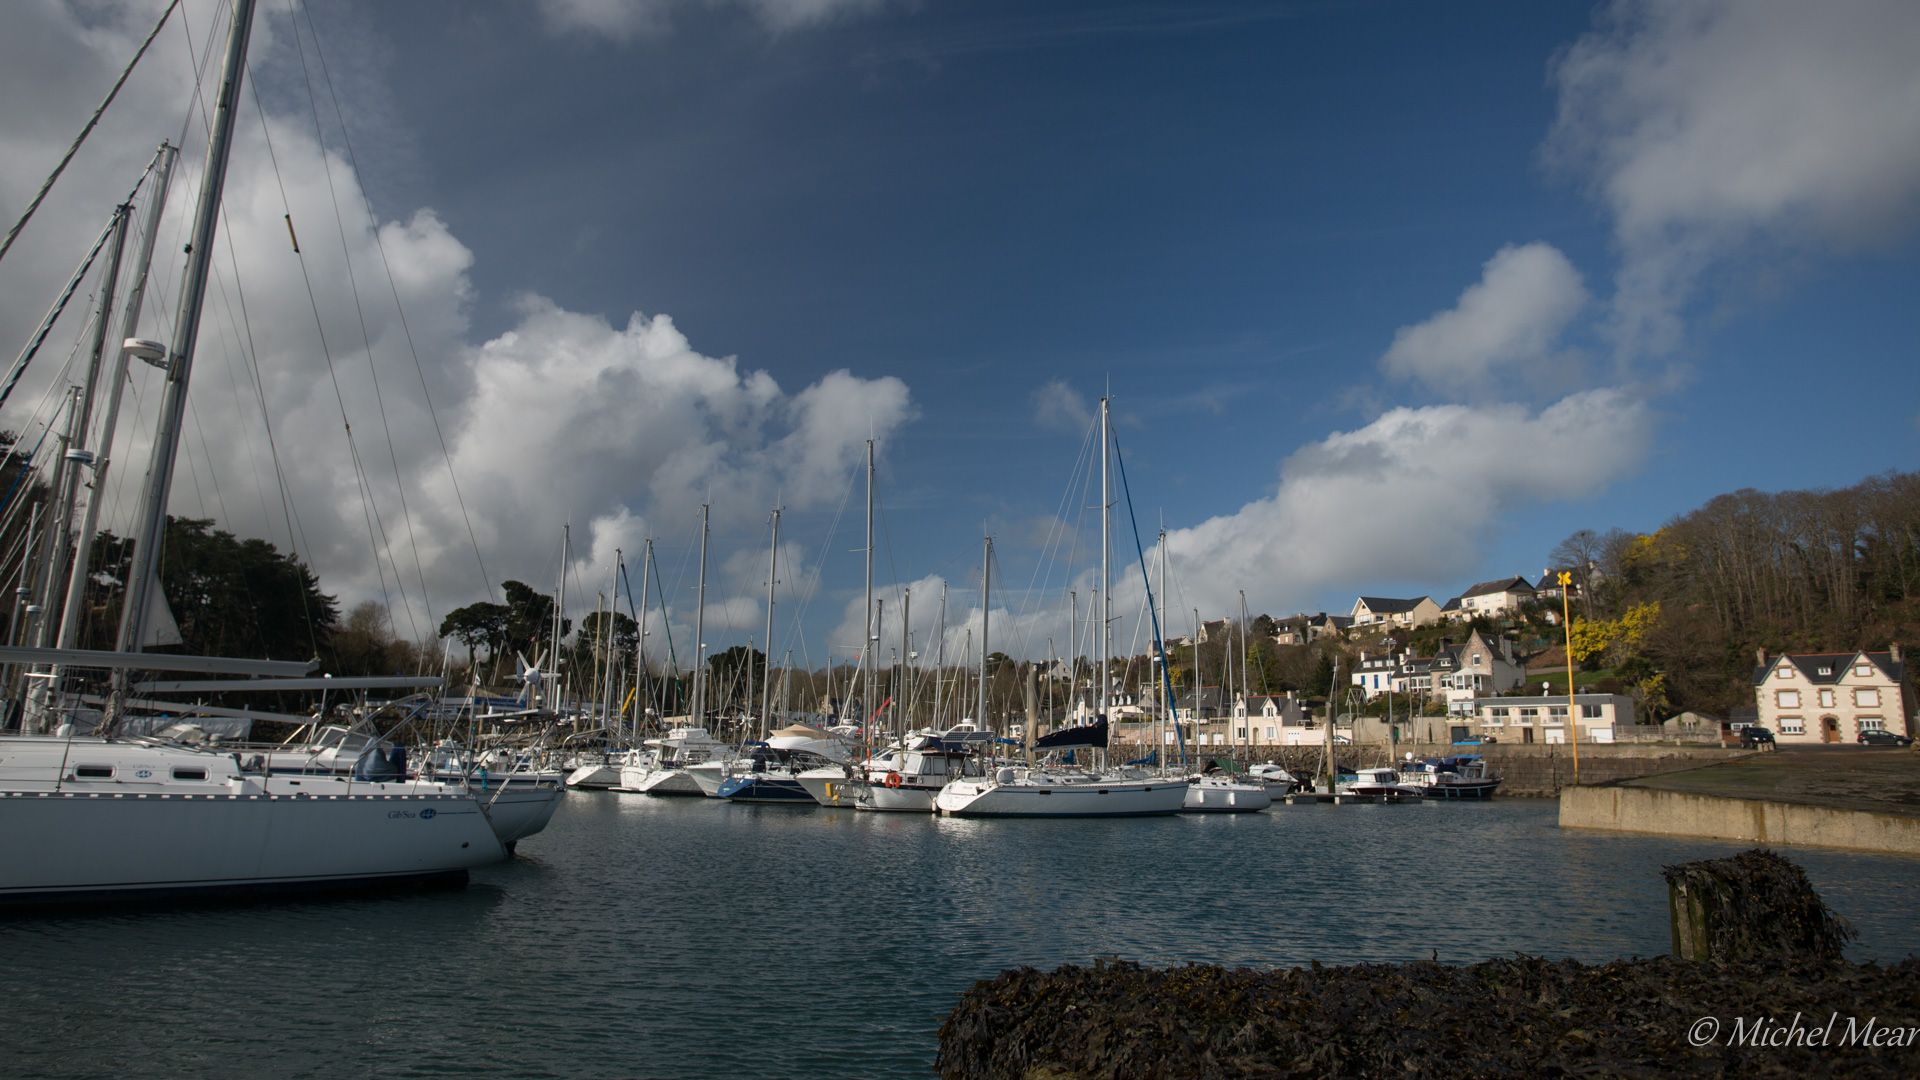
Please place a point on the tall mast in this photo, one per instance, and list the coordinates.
(1246, 703)
(904, 692)
(1106, 573)
(129, 325)
(1164, 692)
(700, 632)
(142, 579)
(940, 658)
(640, 677)
(560, 599)
(773, 575)
(986, 583)
(1073, 645)
(869, 639)
(606, 647)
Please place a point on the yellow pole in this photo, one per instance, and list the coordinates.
(1573, 707)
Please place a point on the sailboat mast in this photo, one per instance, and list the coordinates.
(640, 675)
(560, 599)
(129, 325)
(986, 586)
(142, 580)
(1106, 570)
(940, 658)
(1164, 692)
(904, 691)
(773, 575)
(869, 638)
(700, 631)
(1246, 703)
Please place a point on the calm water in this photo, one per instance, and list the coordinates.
(652, 937)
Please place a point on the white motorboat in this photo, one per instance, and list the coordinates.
(92, 818)
(1383, 784)
(1279, 782)
(912, 780)
(662, 768)
(1218, 793)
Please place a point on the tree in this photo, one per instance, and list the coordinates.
(478, 624)
(530, 619)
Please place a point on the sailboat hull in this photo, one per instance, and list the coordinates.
(1094, 797)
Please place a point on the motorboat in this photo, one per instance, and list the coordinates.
(662, 767)
(1280, 783)
(1382, 784)
(1463, 777)
(770, 771)
(1220, 793)
(911, 781)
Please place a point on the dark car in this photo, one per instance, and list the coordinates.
(1884, 738)
(1753, 737)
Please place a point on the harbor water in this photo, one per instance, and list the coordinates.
(676, 937)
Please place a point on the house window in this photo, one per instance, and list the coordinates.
(1557, 714)
(1792, 725)
(1872, 723)
(1863, 668)
(1529, 715)
(1826, 669)
(1240, 733)
(1787, 699)
(1868, 698)
(1589, 712)
(1270, 733)
(1476, 659)
(1786, 671)
(1826, 699)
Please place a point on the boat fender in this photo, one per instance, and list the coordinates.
(893, 779)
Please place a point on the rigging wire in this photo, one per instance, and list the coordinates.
(406, 328)
(86, 129)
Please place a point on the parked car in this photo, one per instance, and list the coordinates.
(1753, 737)
(1884, 738)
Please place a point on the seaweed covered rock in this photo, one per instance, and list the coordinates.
(1507, 1017)
(1754, 907)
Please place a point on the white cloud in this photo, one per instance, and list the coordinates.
(1056, 404)
(625, 20)
(1713, 128)
(1512, 317)
(1414, 495)
(621, 429)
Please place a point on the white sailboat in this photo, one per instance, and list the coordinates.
(104, 816)
(1064, 792)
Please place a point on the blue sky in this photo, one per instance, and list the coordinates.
(1390, 297)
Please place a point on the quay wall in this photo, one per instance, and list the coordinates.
(1675, 813)
(1526, 770)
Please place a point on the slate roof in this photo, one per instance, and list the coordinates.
(1386, 605)
(1503, 585)
(1837, 665)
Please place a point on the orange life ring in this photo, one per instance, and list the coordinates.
(893, 779)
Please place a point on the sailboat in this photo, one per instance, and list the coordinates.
(110, 816)
(1064, 791)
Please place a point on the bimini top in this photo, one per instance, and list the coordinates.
(1094, 734)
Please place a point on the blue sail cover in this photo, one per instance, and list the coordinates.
(1094, 734)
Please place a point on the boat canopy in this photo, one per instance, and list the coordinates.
(1094, 734)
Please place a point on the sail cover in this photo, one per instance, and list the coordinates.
(1094, 734)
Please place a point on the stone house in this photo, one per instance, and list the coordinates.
(1808, 698)
(1389, 611)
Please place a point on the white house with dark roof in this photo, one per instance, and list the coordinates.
(1499, 597)
(1389, 611)
(1831, 697)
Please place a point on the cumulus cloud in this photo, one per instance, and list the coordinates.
(625, 20)
(1056, 404)
(1513, 316)
(622, 428)
(1413, 495)
(1719, 127)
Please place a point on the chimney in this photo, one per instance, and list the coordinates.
(1893, 651)
(1760, 658)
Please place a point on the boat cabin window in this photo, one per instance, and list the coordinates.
(93, 772)
(189, 773)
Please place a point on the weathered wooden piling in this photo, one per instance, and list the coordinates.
(1754, 907)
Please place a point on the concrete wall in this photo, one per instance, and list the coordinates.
(1673, 813)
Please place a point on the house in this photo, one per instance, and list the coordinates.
(1452, 611)
(1544, 719)
(1388, 611)
(1259, 719)
(1481, 666)
(1494, 598)
(1375, 675)
(1831, 697)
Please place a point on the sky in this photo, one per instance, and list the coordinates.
(1389, 298)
